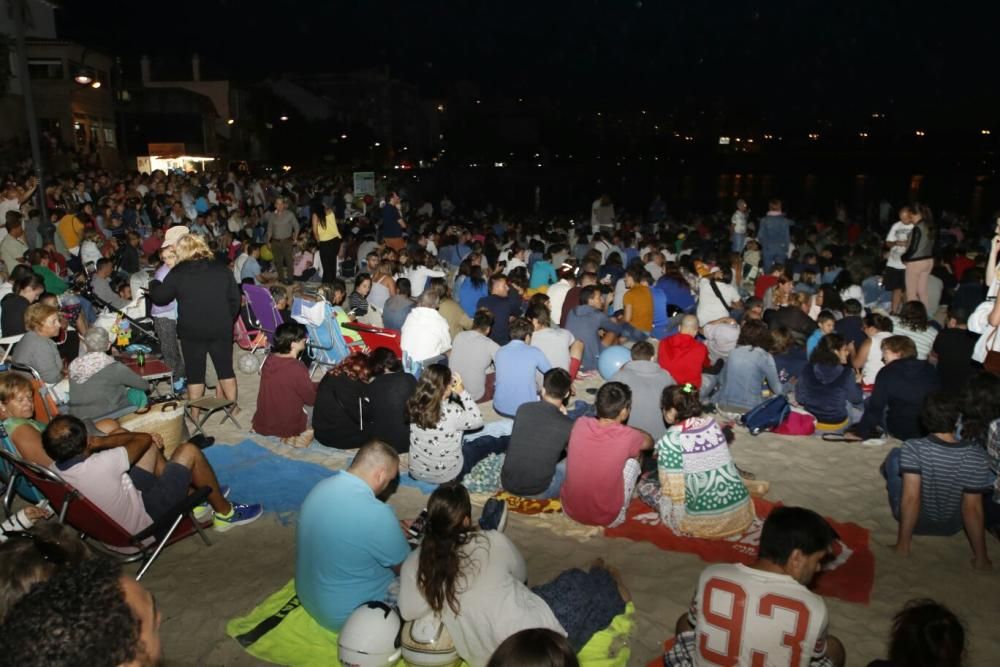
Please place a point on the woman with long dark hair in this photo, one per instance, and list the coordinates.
(828, 388)
(327, 235)
(748, 367)
(474, 582)
(389, 389)
(473, 288)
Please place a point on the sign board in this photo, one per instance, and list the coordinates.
(166, 150)
(364, 183)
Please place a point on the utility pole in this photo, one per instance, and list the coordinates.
(20, 7)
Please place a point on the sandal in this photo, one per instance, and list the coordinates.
(840, 437)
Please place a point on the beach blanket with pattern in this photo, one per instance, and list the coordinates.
(280, 631)
(849, 575)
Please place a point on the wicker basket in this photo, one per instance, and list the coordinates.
(164, 419)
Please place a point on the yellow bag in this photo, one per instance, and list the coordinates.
(163, 419)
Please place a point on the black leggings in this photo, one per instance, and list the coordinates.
(328, 251)
(195, 350)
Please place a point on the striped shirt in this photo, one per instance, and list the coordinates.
(924, 340)
(947, 471)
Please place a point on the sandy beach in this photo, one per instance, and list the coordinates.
(200, 588)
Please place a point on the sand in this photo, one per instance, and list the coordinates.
(199, 588)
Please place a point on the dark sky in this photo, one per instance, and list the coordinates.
(934, 60)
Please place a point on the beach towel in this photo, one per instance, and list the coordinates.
(258, 475)
(529, 505)
(280, 631)
(850, 575)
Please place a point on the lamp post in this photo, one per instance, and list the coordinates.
(19, 8)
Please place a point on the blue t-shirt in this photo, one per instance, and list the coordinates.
(469, 295)
(516, 363)
(346, 544)
(542, 273)
(813, 341)
(391, 228)
(251, 269)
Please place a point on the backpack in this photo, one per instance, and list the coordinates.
(767, 415)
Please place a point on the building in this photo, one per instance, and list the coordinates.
(71, 85)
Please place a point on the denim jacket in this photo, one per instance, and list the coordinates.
(743, 377)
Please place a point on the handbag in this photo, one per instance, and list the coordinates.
(766, 416)
(163, 419)
(992, 360)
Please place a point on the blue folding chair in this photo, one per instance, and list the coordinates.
(326, 339)
(14, 483)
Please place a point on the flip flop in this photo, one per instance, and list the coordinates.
(838, 437)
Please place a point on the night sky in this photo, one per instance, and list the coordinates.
(929, 62)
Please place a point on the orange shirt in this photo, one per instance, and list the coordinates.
(641, 300)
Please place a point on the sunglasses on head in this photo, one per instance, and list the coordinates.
(49, 551)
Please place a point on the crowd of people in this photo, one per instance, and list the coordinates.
(874, 331)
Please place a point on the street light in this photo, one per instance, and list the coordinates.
(283, 118)
(95, 85)
(84, 77)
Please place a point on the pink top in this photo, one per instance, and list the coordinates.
(594, 490)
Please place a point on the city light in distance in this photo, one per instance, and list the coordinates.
(985, 133)
(814, 136)
(920, 133)
(230, 121)
(283, 118)
(863, 135)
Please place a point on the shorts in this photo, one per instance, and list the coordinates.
(160, 494)
(893, 279)
(195, 352)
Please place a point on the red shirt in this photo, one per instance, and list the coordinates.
(285, 388)
(151, 245)
(594, 490)
(764, 283)
(683, 357)
(960, 265)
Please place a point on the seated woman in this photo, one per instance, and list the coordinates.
(389, 389)
(828, 388)
(357, 303)
(342, 417)
(749, 365)
(868, 357)
(789, 358)
(383, 286)
(286, 390)
(440, 411)
(38, 350)
(699, 491)
(474, 582)
(899, 392)
(99, 386)
(915, 325)
(13, 306)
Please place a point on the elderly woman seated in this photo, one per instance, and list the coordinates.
(101, 387)
(38, 350)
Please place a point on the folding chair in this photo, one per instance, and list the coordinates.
(376, 337)
(14, 484)
(8, 343)
(266, 316)
(46, 406)
(326, 341)
(99, 530)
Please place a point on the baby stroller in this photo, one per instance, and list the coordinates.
(255, 327)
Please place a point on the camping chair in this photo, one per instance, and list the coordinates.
(8, 343)
(326, 341)
(264, 312)
(12, 482)
(99, 530)
(46, 406)
(376, 337)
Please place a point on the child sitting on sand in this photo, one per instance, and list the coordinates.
(699, 491)
(936, 483)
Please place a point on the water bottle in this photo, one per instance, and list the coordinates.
(140, 358)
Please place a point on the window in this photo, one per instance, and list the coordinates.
(109, 136)
(51, 69)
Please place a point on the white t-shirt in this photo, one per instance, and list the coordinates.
(900, 231)
(557, 297)
(103, 479)
(494, 603)
(778, 619)
(425, 334)
(739, 221)
(710, 308)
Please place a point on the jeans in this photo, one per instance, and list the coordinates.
(738, 241)
(555, 485)
(893, 480)
(774, 256)
(474, 451)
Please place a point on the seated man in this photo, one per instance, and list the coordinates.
(742, 613)
(638, 300)
(532, 467)
(342, 515)
(100, 282)
(516, 364)
(646, 380)
(558, 345)
(89, 613)
(337, 294)
(589, 323)
(425, 336)
(398, 306)
(899, 392)
(602, 460)
(936, 484)
(684, 356)
(472, 354)
(251, 271)
(129, 479)
(952, 351)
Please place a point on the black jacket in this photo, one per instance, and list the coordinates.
(342, 416)
(388, 394)
(900, 388)
(921, 243)
(208, 298)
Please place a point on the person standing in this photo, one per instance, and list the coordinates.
(208, 301)
(165, 317)
(327, 235)
(738, 227)
(897, 241)
(774, 235)
(282, 228)
(393, 224)
(919, 255)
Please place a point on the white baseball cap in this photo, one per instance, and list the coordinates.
(174, 234)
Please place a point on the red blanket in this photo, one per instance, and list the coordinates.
(849, 576)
